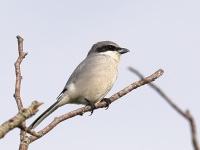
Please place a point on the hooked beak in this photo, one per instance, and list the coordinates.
(123, 50)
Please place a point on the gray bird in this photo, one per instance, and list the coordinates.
(92, 79)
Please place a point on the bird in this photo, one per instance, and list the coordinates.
(92, 79)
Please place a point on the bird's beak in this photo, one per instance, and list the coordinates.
(123, 50)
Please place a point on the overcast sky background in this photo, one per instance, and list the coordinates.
(57, 36)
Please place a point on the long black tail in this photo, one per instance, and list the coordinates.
(45, 114)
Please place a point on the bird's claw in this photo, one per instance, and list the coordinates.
(81, 114)
(93, 107)
(108, 102)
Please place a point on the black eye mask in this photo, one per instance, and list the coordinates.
(107, 48)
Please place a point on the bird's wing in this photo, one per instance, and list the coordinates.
(71, 79)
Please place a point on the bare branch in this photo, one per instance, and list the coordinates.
(19, 118)
(18, 72)
(186, 114)
(17, 97)
(102, 104)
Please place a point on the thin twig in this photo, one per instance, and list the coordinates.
(102, 104)
(17, 97)
(186, 114)
(18, 72)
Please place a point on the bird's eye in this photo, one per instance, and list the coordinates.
(110, 47)
(106, 48)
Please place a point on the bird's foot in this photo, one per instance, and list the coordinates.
(108, 102)
(81, 114)
(93, 107)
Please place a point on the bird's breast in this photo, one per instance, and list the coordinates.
(93, 79)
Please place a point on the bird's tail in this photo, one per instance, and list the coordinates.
(45, 114)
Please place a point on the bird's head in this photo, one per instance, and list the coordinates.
(107, 48)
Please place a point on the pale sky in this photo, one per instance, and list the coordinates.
(57, 36)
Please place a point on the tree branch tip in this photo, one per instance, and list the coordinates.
(160, 71)
(19, 38)
(34, 106)
(129, 68)
(37, 104)
(187, 111)
(25, 53)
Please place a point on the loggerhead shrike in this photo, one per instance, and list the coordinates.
(92, 79)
